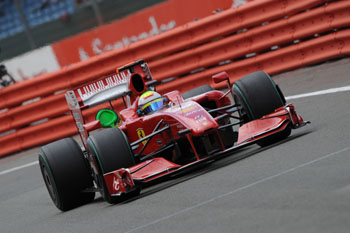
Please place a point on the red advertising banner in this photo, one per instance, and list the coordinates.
(138, 26)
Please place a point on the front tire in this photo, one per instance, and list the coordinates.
(66, 174)
(111, 151)
(259, 95)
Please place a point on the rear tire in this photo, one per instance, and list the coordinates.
(66, 174)
(259, 95)
(111, 150)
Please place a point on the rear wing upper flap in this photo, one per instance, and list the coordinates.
(108, 88)
(112, 87)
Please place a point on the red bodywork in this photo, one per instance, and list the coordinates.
(179, 120)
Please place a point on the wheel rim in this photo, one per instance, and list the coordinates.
(49, 184)
(48, 179)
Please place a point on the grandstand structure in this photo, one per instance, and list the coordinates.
(29, 24)
(35, 12)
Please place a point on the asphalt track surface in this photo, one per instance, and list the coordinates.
(299, 185)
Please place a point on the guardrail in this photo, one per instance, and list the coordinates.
(263, 35)
(194, 33)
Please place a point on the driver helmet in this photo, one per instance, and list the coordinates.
(150, 102)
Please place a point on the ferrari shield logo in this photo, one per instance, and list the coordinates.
(141, 134)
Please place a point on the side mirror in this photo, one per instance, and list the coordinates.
(108, 118)
(220, 77)
(223, 76)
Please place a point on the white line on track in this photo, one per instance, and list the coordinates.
(236, 190)
(322, 92)
(18, 168)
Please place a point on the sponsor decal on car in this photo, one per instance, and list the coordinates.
(200, 119)
(141, 134)
(116, 184)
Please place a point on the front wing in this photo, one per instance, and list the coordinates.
(125, 180)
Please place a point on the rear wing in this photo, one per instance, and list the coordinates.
(129, 81)
(132, 79)
(97, 92)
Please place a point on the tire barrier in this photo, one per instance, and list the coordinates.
(268, 35)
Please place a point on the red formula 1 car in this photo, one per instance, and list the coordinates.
(157, 136)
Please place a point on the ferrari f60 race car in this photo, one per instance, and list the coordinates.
(123, 152)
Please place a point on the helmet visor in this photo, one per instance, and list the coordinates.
(153, 106)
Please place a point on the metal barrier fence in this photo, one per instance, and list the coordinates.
(268, 35)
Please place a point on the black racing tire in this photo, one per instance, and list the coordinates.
(259, 95)
(228, 136)
(66, 174)
(111, 150)
(197, 91)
